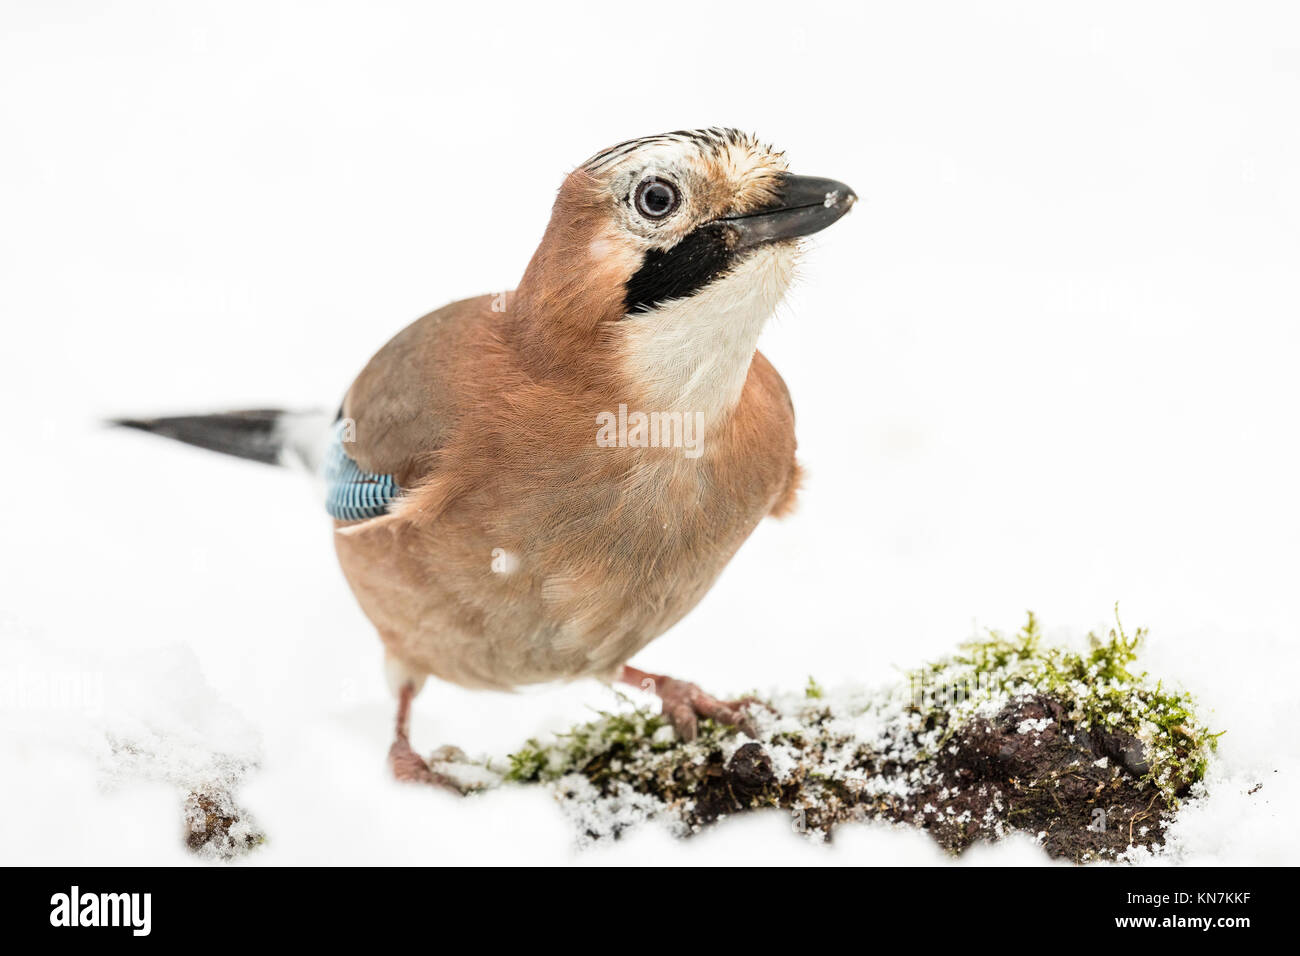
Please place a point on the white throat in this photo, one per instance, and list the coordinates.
(693, 355)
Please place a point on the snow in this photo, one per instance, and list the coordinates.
(1046, 362)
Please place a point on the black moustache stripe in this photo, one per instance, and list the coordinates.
(679, 272)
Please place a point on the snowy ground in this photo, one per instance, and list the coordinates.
(1048, 363)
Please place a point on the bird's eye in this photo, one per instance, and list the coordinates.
(657, 198)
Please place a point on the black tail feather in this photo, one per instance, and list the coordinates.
(255, 434)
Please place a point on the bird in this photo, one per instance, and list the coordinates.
(531, 486)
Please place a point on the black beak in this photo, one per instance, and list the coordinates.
(804, 205)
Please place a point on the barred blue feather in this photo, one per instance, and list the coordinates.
(350, 493)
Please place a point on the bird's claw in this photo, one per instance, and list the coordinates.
(684, 704)
(448, 753)
(410, 767)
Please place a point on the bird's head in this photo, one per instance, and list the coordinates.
(671, 252)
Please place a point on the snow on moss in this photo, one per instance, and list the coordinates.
(1075, 747)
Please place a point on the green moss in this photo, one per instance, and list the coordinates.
(880, 753)
(1099, 689)
(574, 749)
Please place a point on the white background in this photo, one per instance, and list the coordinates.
(1048, 362)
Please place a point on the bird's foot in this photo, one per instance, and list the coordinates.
(684, 703)
(407, 765)
(410, 767)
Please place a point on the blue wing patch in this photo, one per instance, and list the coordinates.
(350, 493)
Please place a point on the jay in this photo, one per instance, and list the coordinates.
(533, 486)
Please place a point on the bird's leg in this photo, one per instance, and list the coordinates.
(684, 703)
(408, 766)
